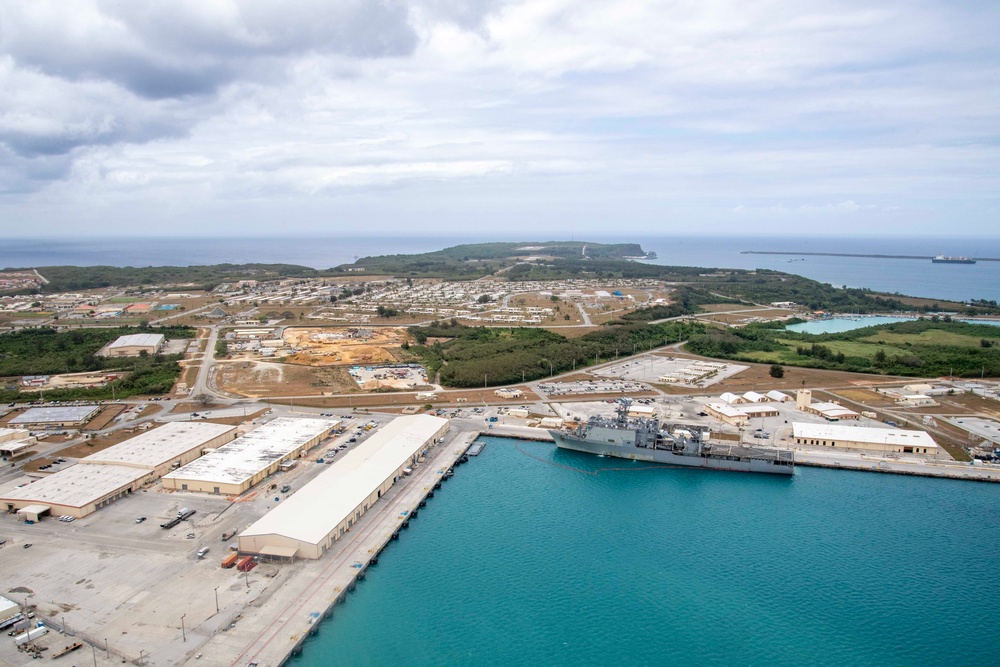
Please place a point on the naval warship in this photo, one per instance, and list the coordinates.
(643, 440)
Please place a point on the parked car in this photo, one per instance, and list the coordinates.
(140, 519)
(286, 488)
(202, 552)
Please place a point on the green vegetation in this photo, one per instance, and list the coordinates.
(68, 278)
(48, 352)
(925, 348)
(471, 261)
(479, 356)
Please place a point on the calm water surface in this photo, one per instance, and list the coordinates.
(521, 561)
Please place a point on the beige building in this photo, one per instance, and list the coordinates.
(118, 471)
(163, 449)
(15, 442)
(307, 523)
(60, 417)
(246, 461)
(864, 438)
(133, 345)
(76, 491)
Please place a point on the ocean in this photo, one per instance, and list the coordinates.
(911, 277)
(533, 555)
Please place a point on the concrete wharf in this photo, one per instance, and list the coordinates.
(841, 460)
(269, 635)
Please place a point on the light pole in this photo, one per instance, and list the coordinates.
(216, 599)
(142, 661)
(183, 634)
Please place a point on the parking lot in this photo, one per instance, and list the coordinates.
(987, 429)
(671, 370)
(116, 574)
(410, 376)
(592, 387)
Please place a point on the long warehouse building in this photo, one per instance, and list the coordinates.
(310, 521)
(106, 476)
(864, 438)
(244, 462)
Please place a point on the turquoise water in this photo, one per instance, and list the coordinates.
(839, 325)
(521, 561)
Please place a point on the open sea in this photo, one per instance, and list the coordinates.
(532, 555)
(905, 276)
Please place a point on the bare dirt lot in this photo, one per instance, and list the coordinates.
(262, 379)
(328, 346)
(104, 417)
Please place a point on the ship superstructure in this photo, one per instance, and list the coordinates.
(644, 440)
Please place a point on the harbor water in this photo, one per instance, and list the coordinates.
(915, 277)
(842, 324)
(533, 555)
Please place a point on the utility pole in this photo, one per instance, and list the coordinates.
(216, 599)
(183, 634)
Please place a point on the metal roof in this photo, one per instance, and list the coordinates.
(77, 486)
(315, 510)
(160, 445)
(137, 340)
(74, 413)
(869, 434)
(241, 459)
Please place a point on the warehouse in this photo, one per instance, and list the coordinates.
(15, 442)
(237, 466)
(78, 490)
(133, 345)
(864, 438)
(310, 521)
(65, 417)
(162, 449)
(738, 415)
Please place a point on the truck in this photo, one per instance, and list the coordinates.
(31, 635)
(229, 561)
(226, 536)
(170, 524)
(184, 514)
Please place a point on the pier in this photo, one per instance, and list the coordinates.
(851, 254)
(269, 634)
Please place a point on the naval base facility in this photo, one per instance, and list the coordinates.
(322, 511)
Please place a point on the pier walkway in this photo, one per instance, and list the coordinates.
(268, 635)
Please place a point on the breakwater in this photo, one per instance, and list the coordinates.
(854, 254)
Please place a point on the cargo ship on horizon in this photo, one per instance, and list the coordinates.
(942, 259)
(643, 440)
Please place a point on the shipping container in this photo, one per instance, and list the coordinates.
(230, 560)
(246, 564)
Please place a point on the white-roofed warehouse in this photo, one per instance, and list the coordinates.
(111, 474)
(237, 466)
(169, 446)
(132, 345)
(864, 438)
(310, 521)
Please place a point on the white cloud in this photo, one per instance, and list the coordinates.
(829, 108)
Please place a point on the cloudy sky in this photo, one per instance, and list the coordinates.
(305, 117)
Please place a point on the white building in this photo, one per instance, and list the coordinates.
(308, 523)
(237, 466)
(133, 345)
(864, 438)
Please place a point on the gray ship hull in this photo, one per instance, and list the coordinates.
(731, 458)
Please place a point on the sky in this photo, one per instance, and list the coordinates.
(471, 117)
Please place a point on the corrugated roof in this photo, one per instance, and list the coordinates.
(160, 445)
(313, 512)
(77, 485)
(869, 434)
(138, 340)
(73, 413)
(241, 459)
